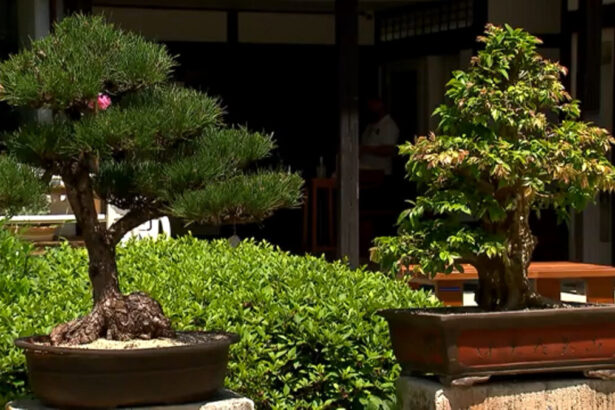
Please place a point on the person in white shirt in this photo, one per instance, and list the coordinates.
(379, 139)
(376, 183)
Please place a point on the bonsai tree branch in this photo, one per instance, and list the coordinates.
(102, 267)
(130, 221)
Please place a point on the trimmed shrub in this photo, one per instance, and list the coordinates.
(309, 335)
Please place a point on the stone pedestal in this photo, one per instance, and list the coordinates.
(225, 400)
(415, 393)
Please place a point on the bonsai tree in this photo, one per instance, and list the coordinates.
(122, 132)
(509, 142)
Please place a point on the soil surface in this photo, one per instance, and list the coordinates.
(104, 344)
(183, 339)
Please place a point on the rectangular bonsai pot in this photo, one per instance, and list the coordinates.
(463, 342)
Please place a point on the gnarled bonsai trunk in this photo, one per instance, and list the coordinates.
(114, 315)
(503, 282)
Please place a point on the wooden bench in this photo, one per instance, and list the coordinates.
(599, 281)
(47, 219)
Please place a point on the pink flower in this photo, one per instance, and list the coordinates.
(103, 101)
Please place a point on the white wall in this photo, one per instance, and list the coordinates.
(253, 27)
(535, 16)
(169, 25)
(286, 28)
(439, 71)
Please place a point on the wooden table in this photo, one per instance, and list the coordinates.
(599, 281)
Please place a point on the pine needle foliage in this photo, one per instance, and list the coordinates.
(20, 188)
(83, 57)
(509, 142)
(159, 148)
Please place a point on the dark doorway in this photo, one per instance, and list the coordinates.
(289, 90)
(381, 202)
(403, 100)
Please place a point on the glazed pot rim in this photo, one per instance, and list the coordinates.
(454, 313)
(28, 343)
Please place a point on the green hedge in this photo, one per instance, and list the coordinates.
(309, 336)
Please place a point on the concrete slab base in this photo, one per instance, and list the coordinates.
(415, 393)
(225, 400)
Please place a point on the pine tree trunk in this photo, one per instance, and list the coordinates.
(503, 280)
(114, 315)
(102, 269)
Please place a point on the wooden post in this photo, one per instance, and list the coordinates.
(77, 6)
(549, 288)
(599, 290)
(9, 37)
(588, 84)
(612, 130)
(232, 27)
(450, 292)
(346, 32)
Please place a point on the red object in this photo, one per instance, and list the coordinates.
(455, 343)
(487, 347)
(599, 281)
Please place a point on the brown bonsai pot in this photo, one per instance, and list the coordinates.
(67, 377)
(454, 343)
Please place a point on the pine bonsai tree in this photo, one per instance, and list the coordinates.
(510, 142)
(123, 133)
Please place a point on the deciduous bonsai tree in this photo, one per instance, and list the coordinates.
(122, 132)
(510, 142)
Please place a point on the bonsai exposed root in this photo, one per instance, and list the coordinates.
(116, 317)
(537, 301)
(529, 300)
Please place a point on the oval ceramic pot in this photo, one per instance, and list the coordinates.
(67, 377)
(463, 342)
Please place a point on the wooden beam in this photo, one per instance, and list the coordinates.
(347, 33)
(588, 84)
(565, 53)
(232, 27)
(565, 56)
(268, 6)
(590, 56)
(77, 6)
(612, 130)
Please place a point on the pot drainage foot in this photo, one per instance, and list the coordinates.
(602, 374)
(463, 381)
